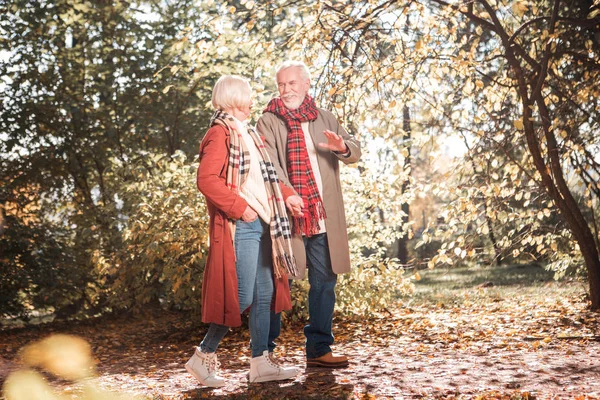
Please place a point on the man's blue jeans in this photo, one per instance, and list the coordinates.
(255, 285)
(321, 299)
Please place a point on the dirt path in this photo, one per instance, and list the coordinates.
(506, 349)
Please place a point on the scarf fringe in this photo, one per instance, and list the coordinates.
(284, 265)
(308, 224)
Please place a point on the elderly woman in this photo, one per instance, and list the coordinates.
(250, 253)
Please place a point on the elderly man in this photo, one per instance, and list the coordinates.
(306, 144)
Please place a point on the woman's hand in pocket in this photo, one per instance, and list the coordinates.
(249, 215)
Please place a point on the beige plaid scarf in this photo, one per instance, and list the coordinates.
(237, 172)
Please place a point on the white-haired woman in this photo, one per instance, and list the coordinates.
(250, 254)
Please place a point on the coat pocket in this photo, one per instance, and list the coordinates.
(217, 228)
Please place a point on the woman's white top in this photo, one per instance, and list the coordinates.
(254, 190)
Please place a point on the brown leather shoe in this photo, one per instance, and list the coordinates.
(328, 361)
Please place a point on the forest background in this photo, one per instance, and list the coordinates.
(479, 123)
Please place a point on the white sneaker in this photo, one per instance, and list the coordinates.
(264, 369)
(205, 368)
(286, 368)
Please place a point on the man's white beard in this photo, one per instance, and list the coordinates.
(292, 105)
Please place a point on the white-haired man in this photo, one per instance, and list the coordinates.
(306, 144)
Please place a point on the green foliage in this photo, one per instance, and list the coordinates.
(37, 269)
(80, 94)
(165, 235)
(373, 216)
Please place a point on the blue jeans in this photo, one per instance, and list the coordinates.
(321, 299)
(255, 285)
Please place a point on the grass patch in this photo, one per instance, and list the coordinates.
(458, 285)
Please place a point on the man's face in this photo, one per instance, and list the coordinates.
(292, 87)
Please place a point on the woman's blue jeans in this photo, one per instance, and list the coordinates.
(255, 285)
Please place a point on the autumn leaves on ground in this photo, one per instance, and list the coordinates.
(504, 332)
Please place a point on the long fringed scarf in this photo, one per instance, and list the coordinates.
(237, 173)
(299, 169)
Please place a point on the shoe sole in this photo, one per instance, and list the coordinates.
(321, 364)
(202, 381)
(261, 379)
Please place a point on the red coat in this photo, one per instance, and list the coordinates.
(220, 302)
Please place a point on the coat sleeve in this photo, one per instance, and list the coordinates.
(352, 143)
(286, 191)
(267, 126)
(214, 154)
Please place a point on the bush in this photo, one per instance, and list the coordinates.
(165, 236)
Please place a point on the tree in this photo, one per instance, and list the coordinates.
(79, 96)
(538, 74)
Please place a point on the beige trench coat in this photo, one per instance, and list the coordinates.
(274, 131)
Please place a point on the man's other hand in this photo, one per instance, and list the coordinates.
(294, 204)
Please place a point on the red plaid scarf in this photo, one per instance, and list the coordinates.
(237, 172)
(299, 169)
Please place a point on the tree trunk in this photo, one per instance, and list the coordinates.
(406, 142)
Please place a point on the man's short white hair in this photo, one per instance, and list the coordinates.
(231, 91)
(293, 64)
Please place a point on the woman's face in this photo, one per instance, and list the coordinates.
(242, 113)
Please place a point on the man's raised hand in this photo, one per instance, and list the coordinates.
(334, 142)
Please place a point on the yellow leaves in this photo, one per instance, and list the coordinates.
(519, 8)
(519, 196)
(518, 123)
(232, 10)
(66, 356)
(28, 385)
(468, 88)
(594, 13)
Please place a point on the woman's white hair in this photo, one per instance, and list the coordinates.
(231, 91)
(293, 64)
